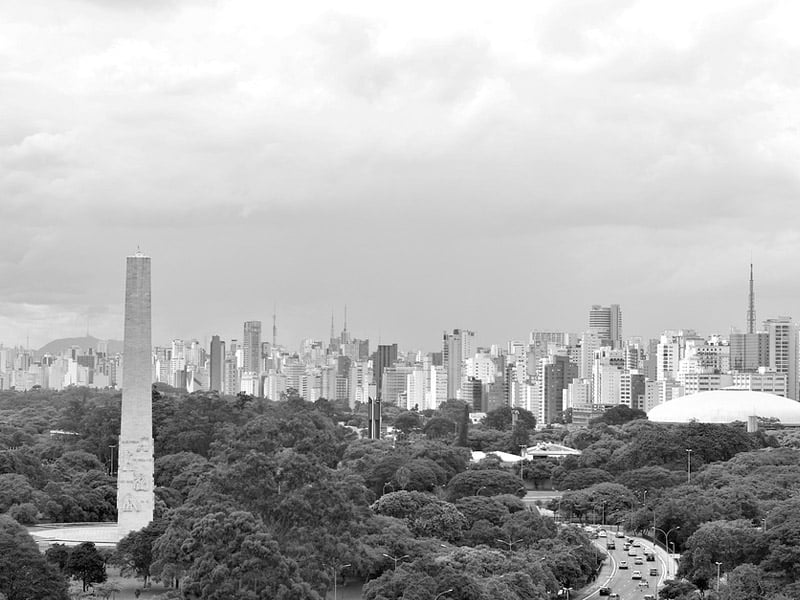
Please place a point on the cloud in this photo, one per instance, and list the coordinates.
(395, 155)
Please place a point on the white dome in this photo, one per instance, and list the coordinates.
(726, 406)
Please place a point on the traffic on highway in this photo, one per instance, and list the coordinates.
(636, 569)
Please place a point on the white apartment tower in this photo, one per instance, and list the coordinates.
(456, 348)
(783, 350)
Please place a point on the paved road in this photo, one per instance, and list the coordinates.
(620, 580)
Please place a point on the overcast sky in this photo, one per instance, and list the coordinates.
(430, 164)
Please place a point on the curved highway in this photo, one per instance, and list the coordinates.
(623, 563)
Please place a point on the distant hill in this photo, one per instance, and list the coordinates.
(58, 346)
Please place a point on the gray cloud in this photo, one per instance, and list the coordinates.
(583, 153)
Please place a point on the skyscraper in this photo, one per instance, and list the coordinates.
(251, 347)
(456, 348)
(385, 356)
(606, 321)
(217, 364)
(135, 497)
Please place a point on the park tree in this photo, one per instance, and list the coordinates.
(619, 415)
(650, 479)
(441, 520)
(438, 428)
(477, 508)
(489, 482)
(58, 555)
(676, 589)
(14, 489)
(730, 543)
(485, 439)
(232, 555)
(503, 418)
(86, 564)
(407, 421)
(528, 526)
(134, 553)
(170, 466)
(745, 582)
(579, 479)
(402, 504)
(24, 571)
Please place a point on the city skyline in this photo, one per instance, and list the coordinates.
(430, 167)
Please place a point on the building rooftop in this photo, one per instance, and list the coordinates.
(72, 534)
(727, 406)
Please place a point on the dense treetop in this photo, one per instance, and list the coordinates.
(266, 499)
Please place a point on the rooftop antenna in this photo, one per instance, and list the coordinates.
(274, 325)
(333, 333)
(345, 318)
(751, 307)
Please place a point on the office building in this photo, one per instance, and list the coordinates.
(251, 347)
(606, 322)
(385, 356)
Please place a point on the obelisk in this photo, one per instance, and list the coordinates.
(135, 498)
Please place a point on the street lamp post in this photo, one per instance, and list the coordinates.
(688, 465)
(396, 559)
(440, 594)
(718, 564)
(522, 448)
(666, 540)
(509, 542)
(336, 576)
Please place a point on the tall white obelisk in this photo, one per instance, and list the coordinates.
(135, 498)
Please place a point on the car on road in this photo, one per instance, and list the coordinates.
(610, 545)
(619, 534)
(653, 572)
(602, 533)
(649, 556)
(623, 564)
(637, 544)
(631, 552)
(648, 597)
(605, 591)
(638, 561)
(614, 596)
(636, 575)
(643, 584)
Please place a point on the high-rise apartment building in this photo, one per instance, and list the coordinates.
(251, 347)
(556, 373)
(783, 350)
(456, 348)
(606, 321)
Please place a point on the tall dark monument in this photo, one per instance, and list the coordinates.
(374, 419)
(135, 497)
